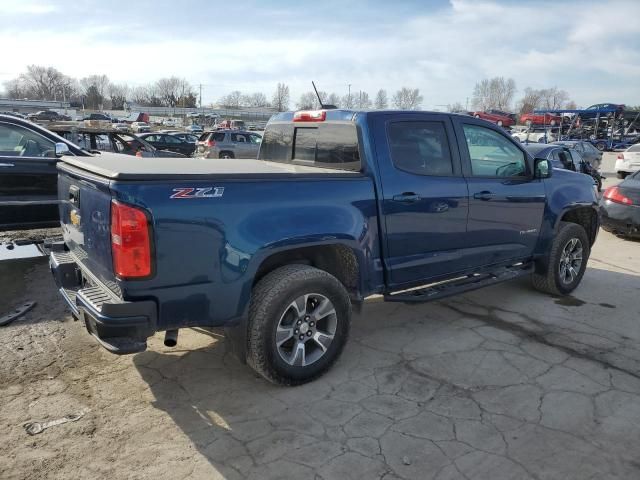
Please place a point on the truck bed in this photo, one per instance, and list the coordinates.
(125, 167)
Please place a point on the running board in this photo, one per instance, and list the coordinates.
(460, 285)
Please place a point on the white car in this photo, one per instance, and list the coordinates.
(121, 127)
(140, 127)
(170, 122)
(628, 161)
(534, 137)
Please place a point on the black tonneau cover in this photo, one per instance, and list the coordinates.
(126, 167)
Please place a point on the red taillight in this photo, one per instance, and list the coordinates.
(613, 194)
(310, 116)
(130, 242)
(621, 156)
(211, 143)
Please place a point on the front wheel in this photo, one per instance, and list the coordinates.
(299, 322)
(622, 175)
(567, 261)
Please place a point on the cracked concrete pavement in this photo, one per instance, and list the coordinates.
(501, 383)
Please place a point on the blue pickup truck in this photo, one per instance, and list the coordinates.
(339, 205)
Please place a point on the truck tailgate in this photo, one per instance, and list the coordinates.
(85, 219)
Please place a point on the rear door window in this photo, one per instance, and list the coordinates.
(421, 148)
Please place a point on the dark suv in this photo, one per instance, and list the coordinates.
(228, 144)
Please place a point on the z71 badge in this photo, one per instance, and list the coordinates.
(195, 192)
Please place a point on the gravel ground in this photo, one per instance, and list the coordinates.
(500, 383)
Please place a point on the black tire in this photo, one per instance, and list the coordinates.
(271, 300)
(601, 146)
(621, 175)
(551, 281)
(226, 155)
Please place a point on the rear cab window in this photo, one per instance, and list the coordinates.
(326, 145)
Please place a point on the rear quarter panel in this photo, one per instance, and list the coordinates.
(208, 250)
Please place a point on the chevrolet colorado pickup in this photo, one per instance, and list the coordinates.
(338, 206)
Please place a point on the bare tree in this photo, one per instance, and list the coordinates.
(456, 107)
(140, 95)
(281, 97)
(571, 105)
(362, 100)
(308, 101)
(407, 99)
(553, 98)
(172, 90)
(494, 93)
(381, 101)
(118, 95)
(232, 100)
(530, 101)
(41, 83)
(257, 99)
(332, 99)
(546, 98)
(101, 82)
(15, 89)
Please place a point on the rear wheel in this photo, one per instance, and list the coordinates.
(226, 155)
(299, 322)
(567, 261)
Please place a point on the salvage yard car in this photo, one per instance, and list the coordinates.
(340, 205)
(228, 144)
(140, 127)
(628, 161)
(164, 141)
(500, 118)
(28, 175)
(620, 207)
(540, 119)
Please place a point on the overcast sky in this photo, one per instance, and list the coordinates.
(589, 48)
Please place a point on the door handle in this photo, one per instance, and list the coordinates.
(406, 197)
(484, 195)
(6, 165)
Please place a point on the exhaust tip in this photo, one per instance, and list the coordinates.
(171, 338)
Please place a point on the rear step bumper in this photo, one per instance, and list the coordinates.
(119, 326)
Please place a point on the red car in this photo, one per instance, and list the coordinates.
(540, 119)
(502, 119)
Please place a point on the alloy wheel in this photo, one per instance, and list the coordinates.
(306, 329)
(571, 261)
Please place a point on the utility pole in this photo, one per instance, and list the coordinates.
(201, 99)
(349, 97)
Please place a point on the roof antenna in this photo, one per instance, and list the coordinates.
(322, 106)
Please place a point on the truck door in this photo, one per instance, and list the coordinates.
(506, 204)
(423, 197)
(28, 178)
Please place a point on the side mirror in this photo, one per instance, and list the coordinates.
(61, 149)
(542, 168)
